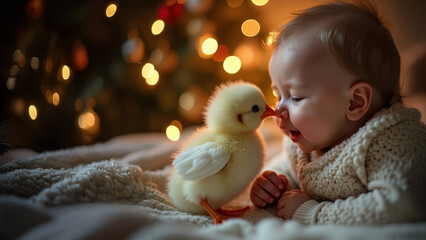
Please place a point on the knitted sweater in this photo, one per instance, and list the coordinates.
(376, 176)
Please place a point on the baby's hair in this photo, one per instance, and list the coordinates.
(357, 37)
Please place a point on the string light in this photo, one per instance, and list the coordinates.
(153, 78)
(111, 10)
(78, 104)
(157, 27)
(49, 96)
(147, 70)
(221, 53)
(187, 101)
(32, 111)
(35, 63)
(55, 99)
(86, 120)
(14, 70)
(259, 2)
(232, 64)
(173, 132)
(209, 46)
(66, 72)
(10, 83)
(194, 26)
(250, 28)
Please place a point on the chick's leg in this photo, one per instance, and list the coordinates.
(233, 212)
(217, 217)
(222, 214)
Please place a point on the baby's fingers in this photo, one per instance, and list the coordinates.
(257, 201)
(275, 180)
(284, 181)
(260, 197)
(270, 182)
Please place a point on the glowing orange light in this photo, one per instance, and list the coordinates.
(232, 64)
(209, 46)
(111, 10)
(55, 99)
(153, 78)
(250, 28)
(157, 27)
(259, 2)
(173, 133)
(32, 111)
(66, 72)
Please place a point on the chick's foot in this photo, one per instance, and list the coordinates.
(221, 215)
(233, 212)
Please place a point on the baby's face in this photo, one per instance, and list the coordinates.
(313, 93)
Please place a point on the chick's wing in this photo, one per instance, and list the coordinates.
(201, 161)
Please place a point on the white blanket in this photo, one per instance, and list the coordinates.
(117, 190)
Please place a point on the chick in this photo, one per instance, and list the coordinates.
(222, 158)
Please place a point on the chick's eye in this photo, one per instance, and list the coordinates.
(255, 108)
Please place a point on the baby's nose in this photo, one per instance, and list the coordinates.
(282, 112)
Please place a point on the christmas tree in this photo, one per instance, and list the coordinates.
(79, 72)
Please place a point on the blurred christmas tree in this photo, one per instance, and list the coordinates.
(76, 72)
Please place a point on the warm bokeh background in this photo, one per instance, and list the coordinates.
(71, 70)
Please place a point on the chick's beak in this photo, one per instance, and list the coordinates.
(269, 112)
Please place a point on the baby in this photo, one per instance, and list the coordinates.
(355, 154)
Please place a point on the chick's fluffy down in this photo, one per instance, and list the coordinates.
(244, 164)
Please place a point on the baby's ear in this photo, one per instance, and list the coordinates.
(361, 97)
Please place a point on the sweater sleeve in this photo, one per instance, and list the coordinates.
(394, 168)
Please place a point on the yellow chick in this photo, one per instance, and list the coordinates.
(222, 158)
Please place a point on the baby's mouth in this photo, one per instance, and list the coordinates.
(295, 135)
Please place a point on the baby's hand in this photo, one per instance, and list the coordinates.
(290, 201)
(267, 188)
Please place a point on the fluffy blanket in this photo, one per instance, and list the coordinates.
(117, 190)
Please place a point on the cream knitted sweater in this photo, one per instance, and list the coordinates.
(376, 176)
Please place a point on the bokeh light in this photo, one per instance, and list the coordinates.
(250, 28)
(32, 111)
(153, 78)
(55, 99)
(232, 64)
(10, 83)
(187, 101)
(194, 26)
(66, 72)
(35, 63)
(147, 70)
(259, 2)
(14, 69)
(173, 133)
(221, 53)
(157, 27)
(209, 46)
(111, 10)
(87, 120)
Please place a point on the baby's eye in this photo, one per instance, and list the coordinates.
(255, 108)
(296, 99)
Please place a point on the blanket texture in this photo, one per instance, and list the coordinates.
(117, 190)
